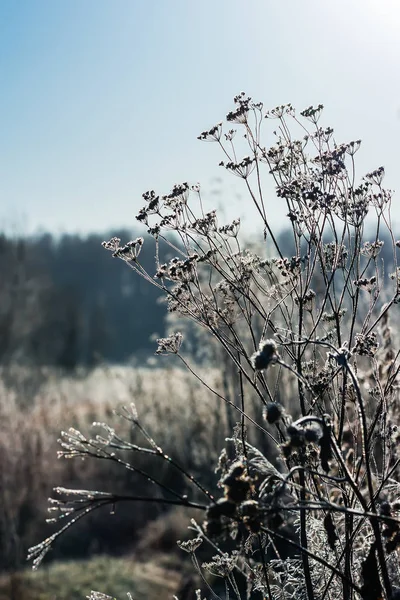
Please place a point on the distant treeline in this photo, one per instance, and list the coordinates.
(64, 301)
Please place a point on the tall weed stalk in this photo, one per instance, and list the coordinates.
(305, 334)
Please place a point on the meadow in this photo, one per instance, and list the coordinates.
(35, 406)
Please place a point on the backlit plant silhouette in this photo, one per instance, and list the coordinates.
(315, 372)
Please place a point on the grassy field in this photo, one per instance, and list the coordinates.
(186, 420)
(156, 579)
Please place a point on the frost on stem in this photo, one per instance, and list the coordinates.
(100, 596)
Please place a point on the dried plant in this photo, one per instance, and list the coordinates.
(308, 339)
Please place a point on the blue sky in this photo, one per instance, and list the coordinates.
(103, 99)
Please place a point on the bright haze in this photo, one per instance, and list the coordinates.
(102, 100)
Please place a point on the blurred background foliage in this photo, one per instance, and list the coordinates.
(65, 303)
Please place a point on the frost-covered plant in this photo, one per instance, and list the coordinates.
(307, 332)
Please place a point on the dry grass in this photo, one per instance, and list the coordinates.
(184, 418)
(157, 579)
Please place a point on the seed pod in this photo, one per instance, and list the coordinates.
(286, 449)
(297, 436)
(275, 520)
(311, 435)
(266, 355)
(213, 528)
(222, 508)
(238, 491)
(325, 453)
(330, 530)
(273, 412)
(249, 508)
(254, 525)
(237, 469)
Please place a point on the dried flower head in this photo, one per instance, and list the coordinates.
(267, 354)
(170, 344)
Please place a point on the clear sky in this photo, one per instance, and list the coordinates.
(101, 100)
